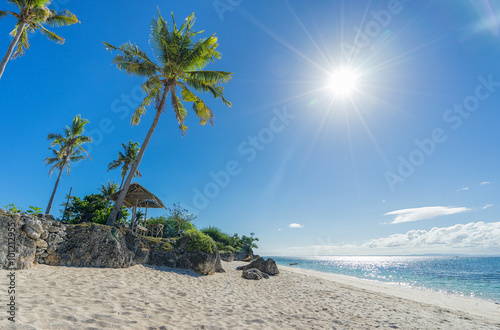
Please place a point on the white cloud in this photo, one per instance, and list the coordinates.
(295, 225)
(423, 213)
(474, 235)
(484, 183)
(463, 189)
(279, 229)
(486, 206)
(470, 238)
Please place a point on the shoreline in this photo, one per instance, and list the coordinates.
(151, 297)
(471, 305)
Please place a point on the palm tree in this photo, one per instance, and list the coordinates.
(32, 16)
(180, 61)
(126, 159)
(70, 150)
(109, 189)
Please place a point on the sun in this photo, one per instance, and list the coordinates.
(343, 81)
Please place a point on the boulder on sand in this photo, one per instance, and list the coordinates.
(266, 266)
(254, 274)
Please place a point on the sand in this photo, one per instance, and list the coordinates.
(144, 297)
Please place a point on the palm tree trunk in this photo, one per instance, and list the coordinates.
(54, 192)
(10, 50)
(121, 184)
(135, 165)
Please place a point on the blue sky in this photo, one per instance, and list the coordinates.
(406, 163)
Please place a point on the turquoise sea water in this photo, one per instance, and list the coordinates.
(477, 277)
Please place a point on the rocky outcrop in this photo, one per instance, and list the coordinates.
(25, 240)
(254, 274)
(266, 266)
(175, 253)
(227, 256)
(17, 251)
(93, 245)
(239, 256)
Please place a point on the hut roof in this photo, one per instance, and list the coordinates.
(138, 193)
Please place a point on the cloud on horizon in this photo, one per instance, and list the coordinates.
(486, 206)
(295, 225)
(470, 238)
(424, 213)
(463, 189)
(484, 183)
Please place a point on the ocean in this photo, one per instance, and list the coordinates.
(475, 277)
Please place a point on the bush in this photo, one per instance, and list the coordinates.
(199, 241)
(170, 226)
(229, 248)
(216, 234)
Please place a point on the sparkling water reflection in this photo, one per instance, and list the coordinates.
(477, 277)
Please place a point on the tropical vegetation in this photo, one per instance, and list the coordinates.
(91, 208)
(69, 150)
(125, 159)
(179, 63)
(177, 71)
(33, 15)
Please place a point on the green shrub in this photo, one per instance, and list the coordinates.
(229, 249)
(217, 235)
(199, 241)
(13, 208)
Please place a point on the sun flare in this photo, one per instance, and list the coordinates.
(343, 81)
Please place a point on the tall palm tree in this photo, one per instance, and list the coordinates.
(126, 159)
(179, 64)
(33, 15)
(70, 150)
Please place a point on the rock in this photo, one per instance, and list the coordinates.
(93, 245)
(2, 211)
(227, 256)
(254, 274)
(44, 235)
(41, 244)
(218, 264)
(36, 225)
(16, 250)
(241, 267)
(267, 266)
(53, 229)
(181, 257)
(30, 232)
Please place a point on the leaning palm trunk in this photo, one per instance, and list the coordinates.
(54, 192)
(135, 165)
(13, 44)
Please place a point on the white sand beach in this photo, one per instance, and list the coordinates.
(143, 297)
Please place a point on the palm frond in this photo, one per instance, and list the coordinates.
(210, 77)
(179, 109)
(62, 18)
(51, 35)
(19, 3)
